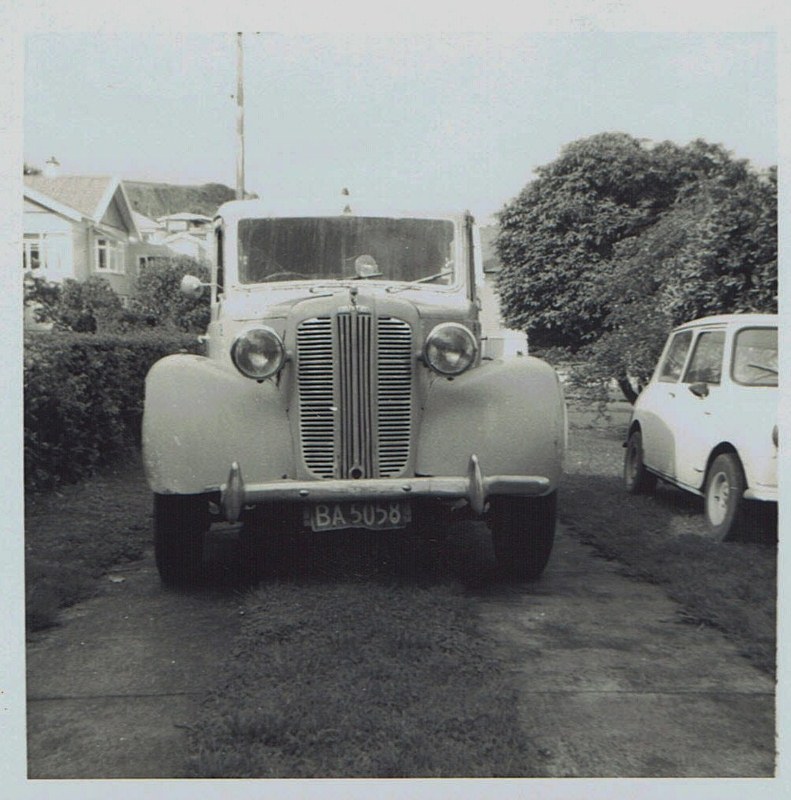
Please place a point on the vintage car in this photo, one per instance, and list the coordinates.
(347, 384)
(707, 420)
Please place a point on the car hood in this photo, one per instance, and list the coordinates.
(305, 302)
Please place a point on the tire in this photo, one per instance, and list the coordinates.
(724, 503)
(637, 479)
(180, 525)
(523, 532)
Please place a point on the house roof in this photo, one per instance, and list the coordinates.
(83, 193)
(143, 222)
(88, 195)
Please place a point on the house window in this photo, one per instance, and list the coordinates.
(109, 256)
(145, 261)
(47, 251)
(33, 252)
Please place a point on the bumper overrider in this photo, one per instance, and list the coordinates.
(474, 487)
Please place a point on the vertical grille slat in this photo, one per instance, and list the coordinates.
(355, 395)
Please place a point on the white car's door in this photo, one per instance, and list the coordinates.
(700, 407)
(658, 406)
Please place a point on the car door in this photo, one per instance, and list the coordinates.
(696, 420)
(657, 405)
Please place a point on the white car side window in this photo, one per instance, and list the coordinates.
(755, 357)
(705, 366)
(675, 358)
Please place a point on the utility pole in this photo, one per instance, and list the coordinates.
(239, 120)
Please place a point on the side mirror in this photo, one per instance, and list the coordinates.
(192, 287)
(699, 389)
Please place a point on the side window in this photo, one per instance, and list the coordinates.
(706, 363)
(673, 363)
(755, 357)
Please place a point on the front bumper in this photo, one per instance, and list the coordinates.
(762, 492)
(474, 487)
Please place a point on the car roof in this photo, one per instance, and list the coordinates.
(235, 210)
(730, 319)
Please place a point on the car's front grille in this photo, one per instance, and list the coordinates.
(355, 395)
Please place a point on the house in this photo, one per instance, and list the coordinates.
(188, 234)
(76, 226)
(151, 246)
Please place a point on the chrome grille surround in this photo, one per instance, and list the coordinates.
(354, 377)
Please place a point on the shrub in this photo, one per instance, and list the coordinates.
(88, 306)
(158, 299)
(83, 399)
(42, 296)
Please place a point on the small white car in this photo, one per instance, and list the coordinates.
(707, 420)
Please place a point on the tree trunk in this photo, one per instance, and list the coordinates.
(628, 390)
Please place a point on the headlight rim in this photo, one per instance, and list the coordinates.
(437, 329)
(243, 334)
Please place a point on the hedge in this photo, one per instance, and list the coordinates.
(83, 399)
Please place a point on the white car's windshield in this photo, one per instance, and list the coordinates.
(344, 248)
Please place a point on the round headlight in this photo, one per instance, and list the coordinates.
(450, 348)
(258, 353)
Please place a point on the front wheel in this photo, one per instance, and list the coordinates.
(723, 497)
(636, 478)
(180, 525)
(523, 532)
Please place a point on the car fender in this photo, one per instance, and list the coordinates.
(200, 417)
(510, 413)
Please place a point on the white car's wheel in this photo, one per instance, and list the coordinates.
(637, 479)
(724, 497)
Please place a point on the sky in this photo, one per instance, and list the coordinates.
(426, 122)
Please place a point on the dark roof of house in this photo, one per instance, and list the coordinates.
(83, 193)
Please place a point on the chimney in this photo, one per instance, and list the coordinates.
(52, 167)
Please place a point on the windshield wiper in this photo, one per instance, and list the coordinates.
(414, 283)
(763, 368)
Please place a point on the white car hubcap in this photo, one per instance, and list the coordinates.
(718, 498)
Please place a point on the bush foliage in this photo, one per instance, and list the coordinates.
(91, 306)
(83, 399)
(158, 300)
(619, 240)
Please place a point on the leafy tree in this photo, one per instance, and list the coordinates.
(618, 240)
(158, 299)
(713, 252)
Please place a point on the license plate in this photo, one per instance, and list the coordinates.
(373, 516)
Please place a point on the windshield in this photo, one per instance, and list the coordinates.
(343, 248)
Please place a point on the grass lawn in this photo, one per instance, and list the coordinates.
(73, 535)
(731, 586)
(356, 679)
